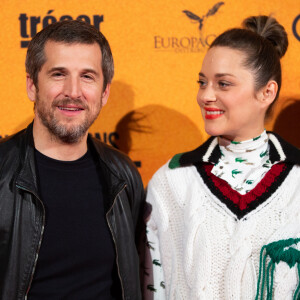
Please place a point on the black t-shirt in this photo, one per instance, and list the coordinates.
(77, 255)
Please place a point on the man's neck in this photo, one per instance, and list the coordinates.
(53, 147)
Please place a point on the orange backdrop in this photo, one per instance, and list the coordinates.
(158, 47)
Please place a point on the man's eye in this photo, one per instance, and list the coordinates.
(86, 76)
(57, 74)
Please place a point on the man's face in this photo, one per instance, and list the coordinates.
(70, 90)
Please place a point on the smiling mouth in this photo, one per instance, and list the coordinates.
(215, 112)
(211, 113)
(70, 108)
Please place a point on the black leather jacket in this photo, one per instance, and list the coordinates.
(22, 214)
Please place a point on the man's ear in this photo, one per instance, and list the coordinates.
(105, 95)
(31, 89)
(268, 93)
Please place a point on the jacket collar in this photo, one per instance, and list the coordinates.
(27, 178)
(209, 152)
(108, 165)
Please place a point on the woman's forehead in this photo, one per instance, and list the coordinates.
(223, 60)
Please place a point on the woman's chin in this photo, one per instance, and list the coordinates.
(213, 131)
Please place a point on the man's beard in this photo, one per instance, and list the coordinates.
(68, 134)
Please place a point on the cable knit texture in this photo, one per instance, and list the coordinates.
(207, 250)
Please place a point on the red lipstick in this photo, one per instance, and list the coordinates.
(213, 113)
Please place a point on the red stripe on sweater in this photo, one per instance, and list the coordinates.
(243, 200)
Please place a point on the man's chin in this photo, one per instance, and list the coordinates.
(68, 134)
(69, 131)
(70, 139)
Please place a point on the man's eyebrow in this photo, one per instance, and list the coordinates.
(63, 69)
(55, 69)
(201, 74)
(90, 71)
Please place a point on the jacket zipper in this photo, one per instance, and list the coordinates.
(40, 241)
(118, 268)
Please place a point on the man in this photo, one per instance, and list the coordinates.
(70, 206)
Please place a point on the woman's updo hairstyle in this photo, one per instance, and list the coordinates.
(264, 41)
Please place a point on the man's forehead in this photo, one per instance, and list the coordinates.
(53, 43)
(71, 56)
(72, 52)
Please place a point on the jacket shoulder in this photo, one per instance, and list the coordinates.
(9, 146)
(111, 154)
(118, 162)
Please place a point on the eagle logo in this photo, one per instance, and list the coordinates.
(200, 20)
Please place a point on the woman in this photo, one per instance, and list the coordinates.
(225, 218)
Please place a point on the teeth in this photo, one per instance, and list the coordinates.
(69, 108)
(217, 112)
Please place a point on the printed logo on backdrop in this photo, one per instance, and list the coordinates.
(189, 44)
(296, 28)
(30, 25)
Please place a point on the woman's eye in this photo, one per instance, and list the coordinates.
(224, 84)
(201, 82)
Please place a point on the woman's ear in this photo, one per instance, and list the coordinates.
(267, 94)
(31, 89)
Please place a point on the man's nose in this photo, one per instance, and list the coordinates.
(72, 88)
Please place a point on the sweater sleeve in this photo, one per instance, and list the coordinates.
(156, 280)
(155, 283)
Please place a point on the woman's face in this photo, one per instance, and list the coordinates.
(227, 97)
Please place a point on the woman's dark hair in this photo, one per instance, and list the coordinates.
(68, 32)
(264, 41)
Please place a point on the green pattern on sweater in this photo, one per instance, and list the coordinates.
(174, 162)
(277, 251)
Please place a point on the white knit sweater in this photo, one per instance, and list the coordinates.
(207, 252)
